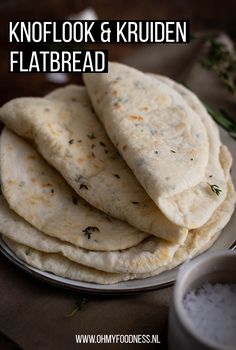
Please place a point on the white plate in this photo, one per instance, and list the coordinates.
(227, 240)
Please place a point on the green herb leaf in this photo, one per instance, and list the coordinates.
(215, 189)
(223, 119)
(89, 230)
(219, 60)
(79, 305)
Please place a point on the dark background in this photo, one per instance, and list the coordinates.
(203, 14)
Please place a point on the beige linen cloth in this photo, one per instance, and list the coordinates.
(33, 314)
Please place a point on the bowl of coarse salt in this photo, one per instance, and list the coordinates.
(203, 309)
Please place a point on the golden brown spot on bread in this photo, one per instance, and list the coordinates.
(145, 108)
(11, 182)
(163, 100)
(40, 199)
(164, 254)
(47, 185)
(135, 117)
(50, 126)
(33, 180)
(125, 147)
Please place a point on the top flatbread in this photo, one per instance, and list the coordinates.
(41, 196)
(70, 138)
(161, 138)
(195, 206)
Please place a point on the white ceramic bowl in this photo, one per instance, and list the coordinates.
(211, 267)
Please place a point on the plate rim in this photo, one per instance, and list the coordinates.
(53, 280)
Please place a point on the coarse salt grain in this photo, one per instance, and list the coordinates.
(212, 310)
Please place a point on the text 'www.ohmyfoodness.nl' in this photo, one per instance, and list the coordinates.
(117, 339)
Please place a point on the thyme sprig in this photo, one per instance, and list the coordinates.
(89, 230)
(215, 189)
(223, 119)
(221, 61)
(79, 305)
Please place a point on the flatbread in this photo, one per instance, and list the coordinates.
(194, 207)
(226, 160)
(167, 155)
(41, 196)
(146, 256)
(197, 242)
(69, 136)
(201, 239)
(61, 266)
(16, 229)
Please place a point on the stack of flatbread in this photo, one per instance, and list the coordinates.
(121, 179)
